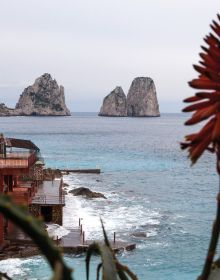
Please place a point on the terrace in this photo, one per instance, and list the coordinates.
(49, 193)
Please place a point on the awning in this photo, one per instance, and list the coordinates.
(20, 143)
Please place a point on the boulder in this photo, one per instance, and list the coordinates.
(43, 98)
(87, 193)
(142, 98)
(139, 234)
(114, 104)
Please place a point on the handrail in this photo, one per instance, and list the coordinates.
(48, 199)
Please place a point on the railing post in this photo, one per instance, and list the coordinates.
(83, 237)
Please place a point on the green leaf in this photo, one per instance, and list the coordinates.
(109, 271)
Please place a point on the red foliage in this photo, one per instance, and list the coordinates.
(206, 104)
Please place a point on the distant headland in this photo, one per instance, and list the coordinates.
(141, 100)
(44, 98)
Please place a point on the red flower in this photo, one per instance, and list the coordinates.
(206, 104)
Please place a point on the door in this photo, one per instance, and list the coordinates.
(46, 212)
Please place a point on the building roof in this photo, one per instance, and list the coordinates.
(20, 143)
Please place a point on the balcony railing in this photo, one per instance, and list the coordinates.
(49, 199)
(17, 160)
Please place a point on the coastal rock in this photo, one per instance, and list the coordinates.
(43, 98)
(87, 193)
(142, 98)
(114, 104)
(5, 111)
(139, 234)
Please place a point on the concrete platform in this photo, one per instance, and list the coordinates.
(72, 243)
(49, 192)
(96, 170)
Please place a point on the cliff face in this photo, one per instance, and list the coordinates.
(114, 104)
(43, 98)
(142, 98)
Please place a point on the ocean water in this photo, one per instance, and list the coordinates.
(149, 185)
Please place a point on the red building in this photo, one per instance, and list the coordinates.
(21, 177)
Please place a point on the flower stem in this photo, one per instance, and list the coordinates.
(213, 243)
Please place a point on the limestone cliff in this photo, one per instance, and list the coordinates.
(43, 98)
(142, 98)
(114, 104)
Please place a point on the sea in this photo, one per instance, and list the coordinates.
(150, 185)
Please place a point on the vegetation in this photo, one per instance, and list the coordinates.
(57, 107)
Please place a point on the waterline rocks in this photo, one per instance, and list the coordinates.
(86, 192)
(114, 104)
(141, 100)
(5, 111)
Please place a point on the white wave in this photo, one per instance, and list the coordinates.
(55, 230)
(120, 214)
(14, 267)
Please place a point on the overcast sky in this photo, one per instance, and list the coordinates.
(92, 46)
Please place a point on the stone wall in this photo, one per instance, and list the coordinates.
(57, 212)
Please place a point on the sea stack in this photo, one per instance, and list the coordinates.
(142, 98)
(114, 104)
(43, 98)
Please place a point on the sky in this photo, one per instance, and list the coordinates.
(92, 46)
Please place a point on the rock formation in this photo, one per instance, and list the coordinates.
(43, 98)
(87, 193)
(114, 104)
(142, 98)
